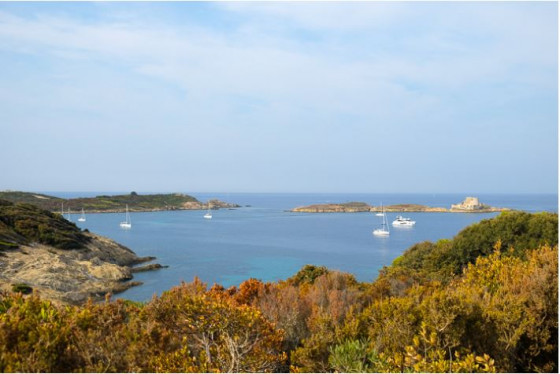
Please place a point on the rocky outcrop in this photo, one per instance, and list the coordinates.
(71, 276)
(139, 269)
(409, 208)
(472, 204)
(212, 204)
(352, 207)
(355, 207)
(363, 207)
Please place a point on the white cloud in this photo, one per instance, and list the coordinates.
(287, 74)
(208, 61)
(335, 16)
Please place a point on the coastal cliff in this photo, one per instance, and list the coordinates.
(115, 203)
(42, 252)
(470, 205)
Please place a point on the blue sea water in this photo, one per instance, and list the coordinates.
(263, 240)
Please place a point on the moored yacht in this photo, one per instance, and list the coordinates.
(380, 214)
(208, 214)
(401, 221)
(127, 224)
(83, 216)
(384, 230)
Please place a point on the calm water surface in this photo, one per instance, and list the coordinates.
(264, 240)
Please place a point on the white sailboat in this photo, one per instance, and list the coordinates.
(380, 214)
(83, 216)
(384, 230)
(127, 223)
(208, 215)
(69, 218)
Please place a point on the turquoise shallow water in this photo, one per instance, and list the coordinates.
(264, 240)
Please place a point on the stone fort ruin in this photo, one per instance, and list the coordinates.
(470, 203)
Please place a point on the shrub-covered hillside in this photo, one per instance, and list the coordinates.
(26, 223)
(492, 307)
(513, 232)
(101, 203)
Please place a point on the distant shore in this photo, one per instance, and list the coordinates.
(115, 203)
(357, 207)
(201, 206)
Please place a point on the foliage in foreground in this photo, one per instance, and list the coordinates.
(499, 314)
(186, 330)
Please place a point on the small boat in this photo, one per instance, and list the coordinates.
(83, 216)
(380, 214)
(69, 218)
(208, 215)
(384, 230)
(401, 221)
(127, 224)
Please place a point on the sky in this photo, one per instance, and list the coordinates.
(394, 97)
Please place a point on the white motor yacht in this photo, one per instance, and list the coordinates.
(401, 221)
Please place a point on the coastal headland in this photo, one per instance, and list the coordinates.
(43, 252)
(115, 203)
(469, 205)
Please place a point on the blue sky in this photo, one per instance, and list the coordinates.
(279, 97)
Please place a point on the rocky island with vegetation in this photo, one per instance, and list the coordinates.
(469, 205)
(115, 203)
(484, 301)
(41, 251)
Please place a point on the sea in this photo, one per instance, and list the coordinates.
(264, 240)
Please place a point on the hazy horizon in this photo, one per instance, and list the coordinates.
(252, 97)
(468, 193)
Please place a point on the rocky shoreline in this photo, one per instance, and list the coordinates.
(115, 203)
(357, 207)
(73, 276)
(214, 205)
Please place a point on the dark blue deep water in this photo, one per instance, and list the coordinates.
(264, 240)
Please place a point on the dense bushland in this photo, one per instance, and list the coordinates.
(26, 223)
(494, 307)
(515, 231)
(100, 203)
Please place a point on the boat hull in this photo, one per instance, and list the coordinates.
(404, 224)
(380, 233)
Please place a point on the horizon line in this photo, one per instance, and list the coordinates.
(286, 192)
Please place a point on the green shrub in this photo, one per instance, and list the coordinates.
(25, 223)
(445, 259)
(308, 274)
(23, 288)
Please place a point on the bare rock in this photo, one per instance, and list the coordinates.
(71, 276)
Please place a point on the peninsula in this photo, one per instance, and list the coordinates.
(43, 252)
(115, 203)
(469, 205)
